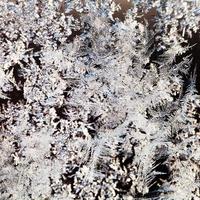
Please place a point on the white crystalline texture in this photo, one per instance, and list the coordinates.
(99, 100)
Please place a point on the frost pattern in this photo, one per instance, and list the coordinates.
(97, 107)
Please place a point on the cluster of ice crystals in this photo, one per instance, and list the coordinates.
(97, 107)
